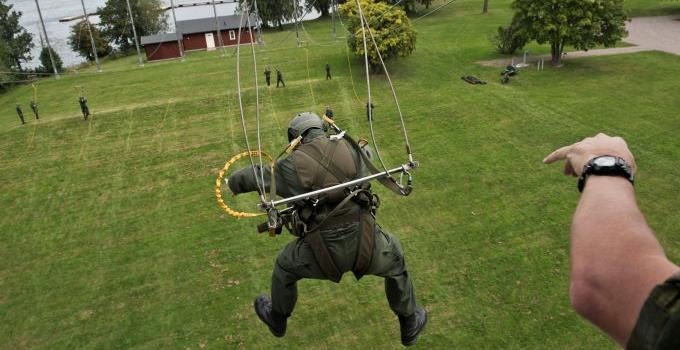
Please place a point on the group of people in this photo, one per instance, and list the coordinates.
(621, 280)
(82, 101)
(34, 108)
(279, 75)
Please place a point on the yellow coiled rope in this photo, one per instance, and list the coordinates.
(220, 177)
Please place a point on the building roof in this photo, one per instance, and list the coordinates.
(159, 38)
(203, 25)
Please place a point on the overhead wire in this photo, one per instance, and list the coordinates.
(433, 11)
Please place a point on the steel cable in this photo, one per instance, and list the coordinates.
(369, 108)
(261, 189)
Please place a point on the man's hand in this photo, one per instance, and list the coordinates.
(578, 154)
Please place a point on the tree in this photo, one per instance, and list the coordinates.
(18, 42)
(6, 76)
(582, 24)
(148, 16)
(392, 30)
(322, 6)
(274, 12)
(485, 8)
(509, 39)
(46, 62)
(80, 42)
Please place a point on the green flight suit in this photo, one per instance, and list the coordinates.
(296, 260)
(658, 325)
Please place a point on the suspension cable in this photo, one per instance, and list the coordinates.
(261, 189)
(257, 97)
(369, 109)
(394, 93)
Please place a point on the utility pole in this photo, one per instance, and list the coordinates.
(134, 32)
(177, 33)
(89, 29)
(295, 12)
(259, 24)
(333, 3)
(49, 48)
(219, 31)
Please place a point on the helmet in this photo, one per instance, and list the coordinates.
(303, 122)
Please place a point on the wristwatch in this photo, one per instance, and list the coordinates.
(607, 166)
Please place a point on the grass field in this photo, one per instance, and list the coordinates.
(110, 236)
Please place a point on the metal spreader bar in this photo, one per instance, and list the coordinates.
(405, 168)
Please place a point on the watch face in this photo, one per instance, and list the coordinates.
(605, 161)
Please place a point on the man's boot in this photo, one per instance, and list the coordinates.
(273, 320)
(411, 326)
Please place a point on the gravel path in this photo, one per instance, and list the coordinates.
(661, 33)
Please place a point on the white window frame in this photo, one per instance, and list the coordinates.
(232, 35)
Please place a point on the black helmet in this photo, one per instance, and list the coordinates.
(303, 122)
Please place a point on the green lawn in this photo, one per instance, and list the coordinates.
(110, 236)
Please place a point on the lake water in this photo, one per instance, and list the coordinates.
(53, 10)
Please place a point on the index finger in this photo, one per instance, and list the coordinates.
(557, 155)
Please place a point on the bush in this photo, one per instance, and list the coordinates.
(509, 39)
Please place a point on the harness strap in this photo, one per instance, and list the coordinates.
(325, 161)
(365, 244)
(319, 248)
(387, 181)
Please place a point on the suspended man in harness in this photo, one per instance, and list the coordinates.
(336, 231)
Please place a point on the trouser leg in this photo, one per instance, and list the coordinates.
(388, 262)
(294, 262)
(400, 295)
(284, 290)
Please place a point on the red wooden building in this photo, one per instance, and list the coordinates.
(161, 46)
(199, 34)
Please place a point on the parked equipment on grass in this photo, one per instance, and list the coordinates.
(509, 71)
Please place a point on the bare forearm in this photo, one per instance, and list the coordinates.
(616, 260)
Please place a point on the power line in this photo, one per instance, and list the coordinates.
(433, 11)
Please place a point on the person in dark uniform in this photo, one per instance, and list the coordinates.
(279, 78)
(267, 75)
(34, 107)
(336, 232)
(83, 107)
(620, 278)
(328, 71)
(369, 116)
(20, 113)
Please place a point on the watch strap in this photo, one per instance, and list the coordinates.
(620, 168)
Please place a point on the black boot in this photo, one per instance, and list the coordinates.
(411, 326)
(273, 320)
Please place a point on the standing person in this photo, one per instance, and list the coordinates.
(369, 111)
(336, 233)
(34, 107)
(83, 107)
(621, 281)
(267, 75)
(20, 113)
(279, 78)
(328, 71)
